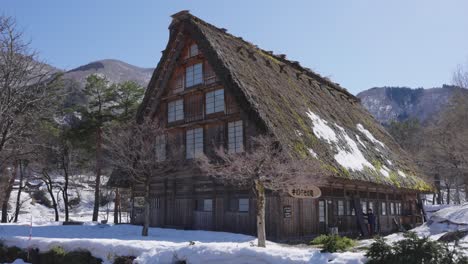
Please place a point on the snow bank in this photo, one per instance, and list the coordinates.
(456, 214)
(166, 245)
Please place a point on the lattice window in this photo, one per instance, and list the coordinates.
(193, 75)
(215, 101)
(235, 137)
(194, 139)
(175, 110)
(322, 211)
(341, 208)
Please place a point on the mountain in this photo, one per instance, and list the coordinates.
(115, 71)
(400, 103)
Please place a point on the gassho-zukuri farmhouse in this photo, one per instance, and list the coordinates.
(211, 86)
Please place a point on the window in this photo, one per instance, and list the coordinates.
(193, 51)
(384, 208)
(175, 110)
(398, 208)
(322, 211)
(194, 141)
(215, 101)
(207, 205)
(371, 206)
(243, 205)
(364, 207)
(392, 209)
(160, 148)
(235, 137)
(194, 75)
(341, 207)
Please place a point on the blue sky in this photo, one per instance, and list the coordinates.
(359, 44)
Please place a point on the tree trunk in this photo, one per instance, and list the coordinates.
(448, 194)
(54, 203)
(98, 174)
(8, 190)
(116, 206)
(20, 189)
(49, 185)
(146, 218)
(65, 164)
(260, 193)
(457, 192)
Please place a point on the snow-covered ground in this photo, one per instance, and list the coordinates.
(43, 214)
(165, 245)
(168, 245)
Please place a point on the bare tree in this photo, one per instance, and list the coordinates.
(267, 166)
(133, 149)
(26, 86)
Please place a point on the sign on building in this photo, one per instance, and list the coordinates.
(310, 191)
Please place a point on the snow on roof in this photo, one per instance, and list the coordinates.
(401, 173)
(368, 134)
(349, 155)
(385, 171)
(312, 152)
(321, 128)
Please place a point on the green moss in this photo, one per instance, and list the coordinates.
(394, 179)
(268, 56)
(377, 164)
(330, 168)
(300, 148)
(345, 172)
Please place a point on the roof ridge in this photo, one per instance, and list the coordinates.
(185, 15)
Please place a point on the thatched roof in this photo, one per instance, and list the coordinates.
(308, 113)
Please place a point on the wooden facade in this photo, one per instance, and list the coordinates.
(201, 113)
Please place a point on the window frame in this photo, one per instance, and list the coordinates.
(175, 108)
(210, 207)
(247, 204)
(215, 102)
(194, 144)
(192, 77)
(340, 208)
(383, 210)
(322, 211)
(235, 139)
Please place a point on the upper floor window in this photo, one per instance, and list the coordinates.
(193, 51)
(194, 75)
(160, 148)
(215, 101)
(175, 110)
(194, 140)
(235, 137)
